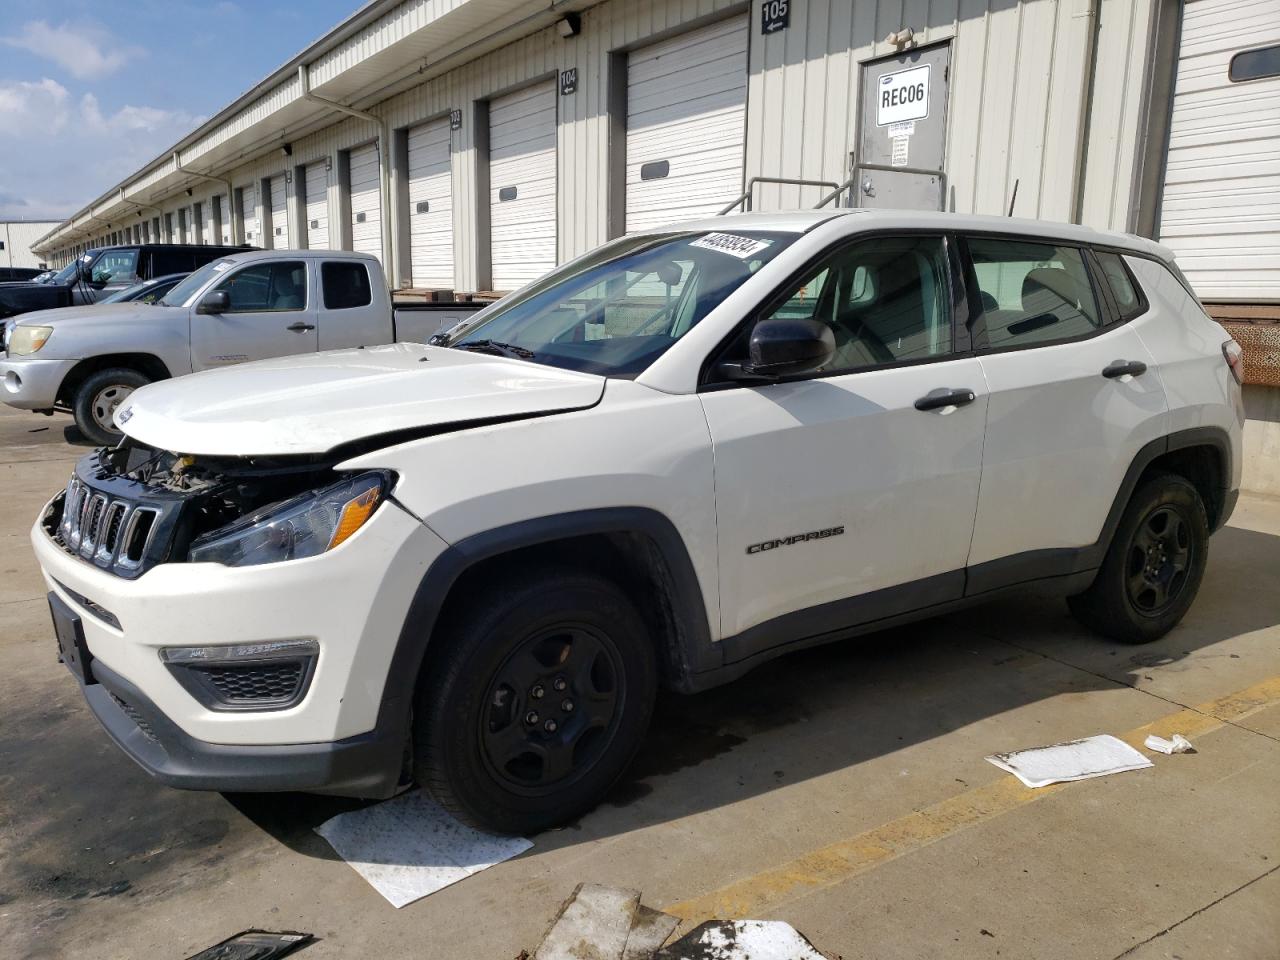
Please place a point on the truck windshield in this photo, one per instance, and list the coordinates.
(618, 309)
(181, 293)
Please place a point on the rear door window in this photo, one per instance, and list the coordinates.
(1032, 293)
(166, 261)
(345, 285)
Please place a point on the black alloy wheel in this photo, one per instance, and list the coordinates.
(553, 708)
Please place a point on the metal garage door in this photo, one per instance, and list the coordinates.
(686, 110)
(317, 193)
(431, 205)
(279, 213)
(522, 185)
(1221, 207)
(366, 201)
(249, 213)
(224, 219)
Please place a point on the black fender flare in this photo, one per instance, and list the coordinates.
(692, 652)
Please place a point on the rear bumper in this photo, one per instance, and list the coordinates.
(32, 384)
(367, 765)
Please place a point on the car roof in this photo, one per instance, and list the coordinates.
(249, 256)
(861, 219)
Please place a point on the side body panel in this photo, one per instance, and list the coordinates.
(1059, 439)
(1187, 346)
(636, 448)
(849, 453)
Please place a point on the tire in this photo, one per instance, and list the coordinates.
(97, 399)
(1153, 568)
(535, 697)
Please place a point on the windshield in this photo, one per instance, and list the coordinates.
(617, 310)
(181, 293)
(68, 273)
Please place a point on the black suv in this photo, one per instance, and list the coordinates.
(103, 271)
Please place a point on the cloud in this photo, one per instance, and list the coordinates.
(70, 150)
(85, 51)
(40, 106)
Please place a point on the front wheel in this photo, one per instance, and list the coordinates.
(536, 695)
(1154, 566)
(97, 399)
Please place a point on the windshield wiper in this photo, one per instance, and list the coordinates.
(496, 347)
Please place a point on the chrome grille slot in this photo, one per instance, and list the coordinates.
(138, 530)
(113, 517)
(91, 523)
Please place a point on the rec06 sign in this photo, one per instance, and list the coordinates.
(903, 96)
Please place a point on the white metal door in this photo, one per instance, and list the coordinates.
(224, 218)
(366, 201)
(317, 193)
(1221, 206)
(686, 115)
(431, 205)
(279, 214)
(249, 213)
(522, 185)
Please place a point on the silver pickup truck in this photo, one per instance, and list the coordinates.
(247, 306)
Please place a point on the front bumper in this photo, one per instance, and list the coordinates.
(367, 765)
(352, 602)
(31, 383)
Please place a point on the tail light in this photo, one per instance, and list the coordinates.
(1233, 353)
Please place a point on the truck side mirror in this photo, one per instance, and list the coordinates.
(215, 301)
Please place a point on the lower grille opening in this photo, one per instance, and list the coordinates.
(270, 683)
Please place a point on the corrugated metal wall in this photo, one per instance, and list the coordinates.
(1021, 72)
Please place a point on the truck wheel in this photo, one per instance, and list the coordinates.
(1154, 566)
(536, 695)
(97, 399)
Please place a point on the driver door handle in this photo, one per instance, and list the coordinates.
(1120, 368)
(301, 327)
(945, 397)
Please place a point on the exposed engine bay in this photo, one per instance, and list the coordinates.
(217, 490)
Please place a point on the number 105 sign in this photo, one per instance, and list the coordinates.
(903, 95)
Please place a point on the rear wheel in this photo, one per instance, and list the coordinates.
(1152, 571)
(97, 399)
(534, 700)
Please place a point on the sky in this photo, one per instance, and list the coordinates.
(88, 94)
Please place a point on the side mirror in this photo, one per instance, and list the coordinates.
(784, 347)
(215, 301)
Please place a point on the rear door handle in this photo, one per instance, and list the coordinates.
(945, 397)
(301, 327)
(1120, 368)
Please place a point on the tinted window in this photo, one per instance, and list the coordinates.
(345, 285)
(621, 307)
(171, 261)
(267, 287)
(116, 265)
(1032, 292)
(1121, 284)
(1255, 64)
(885, 300)
(201, 257)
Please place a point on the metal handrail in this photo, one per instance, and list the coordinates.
(745, 198)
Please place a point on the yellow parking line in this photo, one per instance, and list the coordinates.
(848, 858)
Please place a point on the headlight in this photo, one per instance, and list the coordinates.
(305, 526)
(27, 340)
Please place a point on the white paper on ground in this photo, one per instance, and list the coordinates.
(742, 940)
(409, 846)
(1179, 744)
(1076, 760)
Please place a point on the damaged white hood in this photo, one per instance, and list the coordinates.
(314, 402)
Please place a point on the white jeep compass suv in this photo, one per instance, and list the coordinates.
(474, 562)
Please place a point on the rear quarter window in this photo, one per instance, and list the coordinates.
(345, 285)
(1124, 288)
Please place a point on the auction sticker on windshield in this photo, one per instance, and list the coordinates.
(732, 244)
